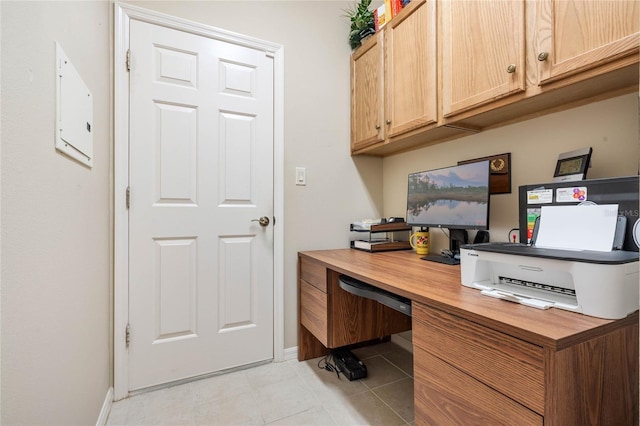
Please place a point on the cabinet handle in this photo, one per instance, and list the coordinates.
(388, 121)
(543, 56)
(511, 69)
(377, 127)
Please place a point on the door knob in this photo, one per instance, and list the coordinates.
(263, 221)
(511, 69)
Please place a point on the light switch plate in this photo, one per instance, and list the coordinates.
(301, 176)
(74, 112)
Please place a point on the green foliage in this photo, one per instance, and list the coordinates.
(362, 23)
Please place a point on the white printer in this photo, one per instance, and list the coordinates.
(599, 284)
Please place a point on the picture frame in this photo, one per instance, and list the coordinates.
(500, 178)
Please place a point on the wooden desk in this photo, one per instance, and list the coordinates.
(477, 360)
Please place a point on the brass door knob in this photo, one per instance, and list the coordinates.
(388, 121)
(377, 127)
(263, 221)
(511, 69)
(543, 56)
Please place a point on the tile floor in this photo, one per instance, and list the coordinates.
(287, 393)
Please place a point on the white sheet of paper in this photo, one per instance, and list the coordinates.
(578, 227)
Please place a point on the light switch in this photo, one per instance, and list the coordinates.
(301, 176)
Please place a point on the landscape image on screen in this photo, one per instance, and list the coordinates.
(450, 197)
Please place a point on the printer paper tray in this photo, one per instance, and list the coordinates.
(535, 303)
(523, 299)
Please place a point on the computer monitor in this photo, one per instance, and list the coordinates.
(455, 197)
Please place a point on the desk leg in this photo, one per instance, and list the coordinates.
(308, 346)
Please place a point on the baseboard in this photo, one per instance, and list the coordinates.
(291, 353)
(106, 408)
(402, 342)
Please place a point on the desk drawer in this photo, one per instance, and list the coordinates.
(313, 273)
(445, 395)
(509, 365)
(313, 311)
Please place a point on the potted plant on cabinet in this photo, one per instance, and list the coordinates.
(362, 23)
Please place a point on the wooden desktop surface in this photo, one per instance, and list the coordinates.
(438, 285)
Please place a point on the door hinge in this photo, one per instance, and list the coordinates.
(128, 59)
(127, 335)
(128, 197)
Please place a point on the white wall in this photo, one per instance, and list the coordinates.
(55, 220)
(317, 127)
(610, 127)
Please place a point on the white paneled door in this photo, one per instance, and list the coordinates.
(201, 173)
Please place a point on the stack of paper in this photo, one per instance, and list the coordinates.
(590, 227)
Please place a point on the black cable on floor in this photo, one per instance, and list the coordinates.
(328, 364)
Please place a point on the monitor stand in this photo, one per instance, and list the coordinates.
(457, 238)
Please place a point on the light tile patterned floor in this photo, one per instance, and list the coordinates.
(289, 393)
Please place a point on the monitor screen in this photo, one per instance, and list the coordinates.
(454, 197)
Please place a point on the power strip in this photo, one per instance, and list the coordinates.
(349, 364)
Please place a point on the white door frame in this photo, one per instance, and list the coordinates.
(123, 14)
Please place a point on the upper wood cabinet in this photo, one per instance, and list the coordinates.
(410, 77)
(393, 79)
(367, 94)
(483, 52)
(443, 68)
(506, 60)
(576, 36)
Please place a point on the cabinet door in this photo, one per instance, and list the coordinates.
(411, 69)
(313, 311)
(509, 365)
(577, 35)
(483, 52)
(367, 103)
(445, 396)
